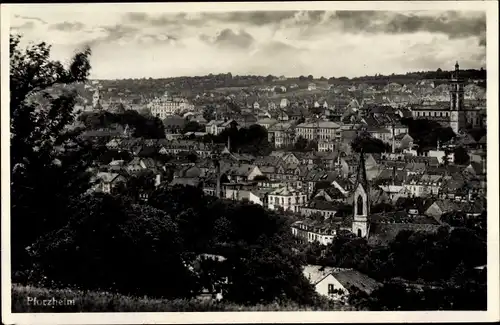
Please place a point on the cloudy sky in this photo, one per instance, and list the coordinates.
(152, 43)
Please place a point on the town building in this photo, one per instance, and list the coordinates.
(166, 105)
(286, 198)
(338, 283)
(320, 131)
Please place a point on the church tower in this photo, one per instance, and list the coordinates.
(457, 114)
(361, 200)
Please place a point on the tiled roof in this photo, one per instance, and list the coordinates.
(382, 234)
(352, 278)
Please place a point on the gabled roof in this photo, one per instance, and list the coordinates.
(381, 234)
(351, 278)
(106, 177)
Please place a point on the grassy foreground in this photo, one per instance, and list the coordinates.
(68, 301)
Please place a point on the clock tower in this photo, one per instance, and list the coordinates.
(457, 114)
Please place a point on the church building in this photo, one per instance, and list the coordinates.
(381, 228)
(455, 113)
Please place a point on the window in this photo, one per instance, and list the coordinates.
(331, 288)
(359, 202)
(359, 233)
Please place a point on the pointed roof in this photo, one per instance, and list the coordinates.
(361, 172)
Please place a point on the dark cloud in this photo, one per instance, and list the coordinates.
(454, 24)
(227, 38)
(251, 17)
(31, 18)
(244, 17)
(68, 26)
(113, 33)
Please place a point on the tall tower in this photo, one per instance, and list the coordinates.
(457, 114)
(361, 200)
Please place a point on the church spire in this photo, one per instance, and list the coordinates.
(361, 173)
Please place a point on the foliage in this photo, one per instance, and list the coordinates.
(426, 133)
(112, 245)
(252, 140)
(137, 184)
(48, 159)
(369, 145)
(304, 145)
(147, 127)
(255, 242)
(382, 207)
(461, 157)
(193, 126)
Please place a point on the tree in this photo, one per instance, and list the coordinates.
(446, 159)
(369, 145)
(112, 245)
(310, 77)
(300, 144)
(209, 112)
(461, 157)
(192, 126)
(48, 160)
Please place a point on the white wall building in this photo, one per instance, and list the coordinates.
(289, 199)
(165, 106)
(322, 130)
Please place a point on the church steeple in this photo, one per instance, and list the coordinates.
(361, 200)
(361, 172)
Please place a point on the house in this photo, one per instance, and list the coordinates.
(271, 105)
(107, 182)
(326, 209)
(440, 207)
(216, 127)
(138, 164)
(242, 173)
(311, 86)
(337, 283)
(249, 195)
(314, 231)
(286, 198)
(284, 103)
(281, 134)
(267, 122)
(321, 130)
(403, 141)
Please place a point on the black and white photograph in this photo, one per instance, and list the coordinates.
(186, 159)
